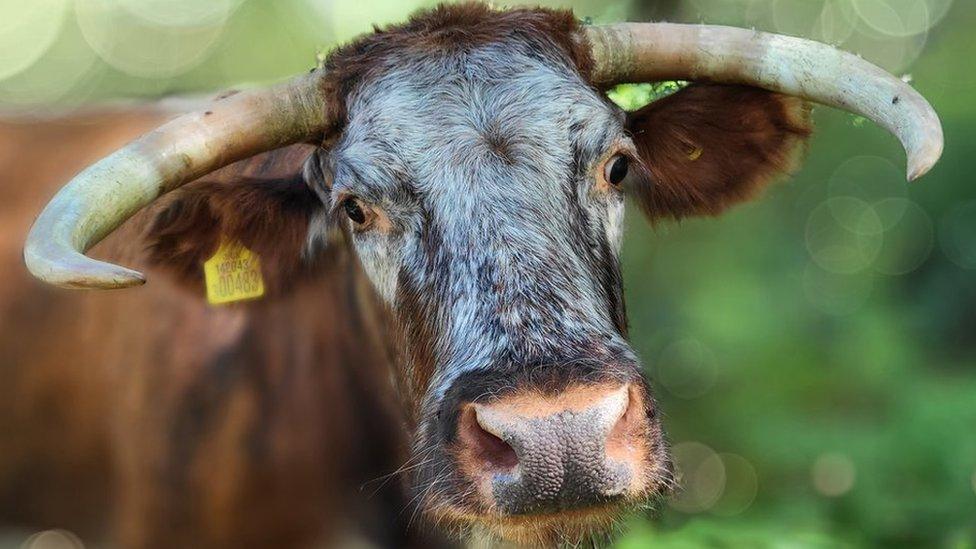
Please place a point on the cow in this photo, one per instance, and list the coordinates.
(437, 209)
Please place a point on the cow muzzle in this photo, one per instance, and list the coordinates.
(534, 454)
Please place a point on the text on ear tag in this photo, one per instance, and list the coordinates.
(233, 273)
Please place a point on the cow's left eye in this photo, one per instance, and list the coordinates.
(615, 170)
(354, 211)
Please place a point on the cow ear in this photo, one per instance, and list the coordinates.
(318, 174)
(710, 146)
(263, 203)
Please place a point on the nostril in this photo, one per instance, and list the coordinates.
(626, 434)
(493, 452)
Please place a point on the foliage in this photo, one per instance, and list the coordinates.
(631, 97)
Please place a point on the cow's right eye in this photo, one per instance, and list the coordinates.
(354, 211)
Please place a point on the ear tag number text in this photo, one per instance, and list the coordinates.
(232, 274)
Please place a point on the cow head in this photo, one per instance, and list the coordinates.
(478, 171)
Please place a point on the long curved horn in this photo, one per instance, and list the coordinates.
(103, 196)
(649, 52)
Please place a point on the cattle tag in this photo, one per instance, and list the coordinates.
(233, 273)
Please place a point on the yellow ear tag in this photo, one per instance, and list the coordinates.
(233, 273)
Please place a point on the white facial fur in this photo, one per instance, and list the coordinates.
(486, 162)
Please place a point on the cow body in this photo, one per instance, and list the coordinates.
(250, 425)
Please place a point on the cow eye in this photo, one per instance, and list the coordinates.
(615, 170)
(354, 211)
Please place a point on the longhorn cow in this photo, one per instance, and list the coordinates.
(438, 214)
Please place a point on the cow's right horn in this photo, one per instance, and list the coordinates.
(103, 196)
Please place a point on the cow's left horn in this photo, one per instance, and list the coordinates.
(649, 52)
(103, 196)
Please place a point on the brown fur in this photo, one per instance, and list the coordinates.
(261, 203)
(416, 344)
(147, 416)
(708, 147)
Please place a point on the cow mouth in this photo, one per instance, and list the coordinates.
(567, 527)
(543, 530)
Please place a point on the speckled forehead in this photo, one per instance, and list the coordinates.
(497, 95)
(482, 158)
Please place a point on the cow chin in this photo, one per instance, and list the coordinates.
(570, 527)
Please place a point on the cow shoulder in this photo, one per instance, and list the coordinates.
(709, 146)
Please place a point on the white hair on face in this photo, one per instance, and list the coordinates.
(381, 256)
(615, 227)
(483, 161)
(321, 234)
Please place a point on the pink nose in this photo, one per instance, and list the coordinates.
(545, 453)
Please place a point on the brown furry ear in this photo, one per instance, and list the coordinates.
(264, 203)
(710, 146)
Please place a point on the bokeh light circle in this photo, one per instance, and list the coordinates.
(181, 13)
(909, 236)
(844, 235)
(27, 31)
(53, 539)
(901, 17)
(346, 19)
(894, 53)
(686, 368)
(957, 234)
(65, 67)
(833, 474)
(830, 21)
(142, 48)
(869, 178)
(836, 23)
(741, 486)
(835, 293)
(701, 477)
(795, 17)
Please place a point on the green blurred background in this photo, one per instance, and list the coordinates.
(814, 352)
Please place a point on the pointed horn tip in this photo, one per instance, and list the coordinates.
(924, 160)
(123, 278)
(86, 274)
(915, 172)
(118, 279)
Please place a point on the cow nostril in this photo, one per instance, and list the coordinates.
(626, 432)
(493, 452)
